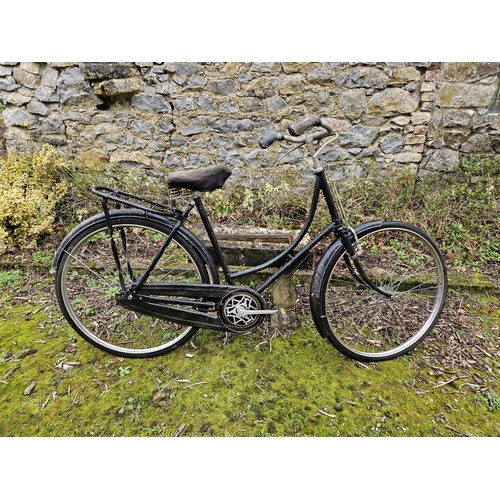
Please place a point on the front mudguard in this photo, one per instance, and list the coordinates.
(334, 252)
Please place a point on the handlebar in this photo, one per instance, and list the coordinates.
(269, 139)
(297, 129)
(301, 126)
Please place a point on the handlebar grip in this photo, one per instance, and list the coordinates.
(269, 139)
(301, 126)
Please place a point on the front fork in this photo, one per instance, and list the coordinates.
(353, 263)
(351, 259)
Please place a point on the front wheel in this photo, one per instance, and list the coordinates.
(391, 318)
(87, 282)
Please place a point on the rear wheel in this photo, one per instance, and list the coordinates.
(405, 264)
(87, 283)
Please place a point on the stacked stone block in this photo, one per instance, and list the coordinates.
(417, 116)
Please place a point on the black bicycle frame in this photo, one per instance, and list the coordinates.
(285, 262)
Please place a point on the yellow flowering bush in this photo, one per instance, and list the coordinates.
(30, 188)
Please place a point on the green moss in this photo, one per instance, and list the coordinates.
(260, 384)
(10, 277)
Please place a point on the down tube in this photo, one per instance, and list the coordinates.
(297, 258)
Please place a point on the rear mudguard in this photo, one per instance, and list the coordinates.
(335, 250)
(140, 215)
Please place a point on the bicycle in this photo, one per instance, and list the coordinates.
(135, 282)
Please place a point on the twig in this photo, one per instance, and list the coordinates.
(483, 351)
(224, 378)
(179, 431)
(456, 430)
(192, 385)
(73, 403)
(327, 414)
(359, 363)
(9, 373)
(55, 369)
(445, 382)
(43, 405)
(440, 369)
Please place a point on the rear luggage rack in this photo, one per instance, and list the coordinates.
(132, 200)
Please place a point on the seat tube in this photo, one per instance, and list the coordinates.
(213, 240)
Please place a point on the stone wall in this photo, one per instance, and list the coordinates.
(421, 116)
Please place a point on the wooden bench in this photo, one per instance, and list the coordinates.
(248, 246)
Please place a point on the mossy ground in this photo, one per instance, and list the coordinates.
(268, 383)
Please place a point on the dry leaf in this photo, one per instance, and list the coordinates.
(67, 365)
(29, 389)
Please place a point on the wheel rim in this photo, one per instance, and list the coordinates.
(370, 325)
(89, 283)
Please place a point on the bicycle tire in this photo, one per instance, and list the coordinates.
(86, 282)
(362, 323)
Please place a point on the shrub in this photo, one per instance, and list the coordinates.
(280, 206)
(30, 188)
(89, 172)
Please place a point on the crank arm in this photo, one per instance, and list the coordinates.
(255, 312)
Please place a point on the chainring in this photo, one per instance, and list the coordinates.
(235, 310)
